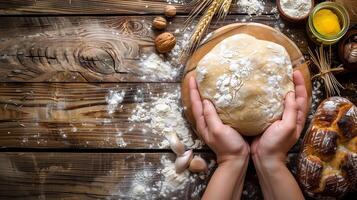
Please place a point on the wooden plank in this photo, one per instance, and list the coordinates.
(108, 176)
(48, 7)
(97, 176)
(98, 49)
(76, 115)
(81, 115)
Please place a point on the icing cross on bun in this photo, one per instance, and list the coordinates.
(327, 164)
(247, 80)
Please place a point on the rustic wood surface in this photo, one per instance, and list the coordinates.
(94, 176)
(96, 49)
(49, 7)
(76, 115)
(59, 60)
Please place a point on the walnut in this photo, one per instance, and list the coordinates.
(165, 42)
(170, 11)
(159, 23)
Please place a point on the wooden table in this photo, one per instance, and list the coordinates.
(58, 61)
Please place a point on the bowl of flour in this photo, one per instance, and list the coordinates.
(295, 10)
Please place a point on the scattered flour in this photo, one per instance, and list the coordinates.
(317, 96)
(296, 8)
(172, 181)
(182, 2)
(164, 117)
(113, 99)
(251, 6)
(120, 142)
(169, 184)
(154, 67)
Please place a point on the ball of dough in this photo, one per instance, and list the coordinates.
(247, 80)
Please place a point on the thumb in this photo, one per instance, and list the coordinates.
(290, 112)
(211, 117)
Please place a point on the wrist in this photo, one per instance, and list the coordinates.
(268, 156)
(238, 157)
(234, 165)
(268, 164)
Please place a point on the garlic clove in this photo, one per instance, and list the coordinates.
(175, 144)
(198, 164)
(183, 161)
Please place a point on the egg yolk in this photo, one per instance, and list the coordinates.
(326, 23)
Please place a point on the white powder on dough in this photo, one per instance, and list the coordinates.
(164, 117)
(330, 105)
(229, 84)
(154, 67)
(251, 6)
(201, 72)
(296, 8)
(113, 99)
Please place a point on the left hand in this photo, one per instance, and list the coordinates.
(226, 142)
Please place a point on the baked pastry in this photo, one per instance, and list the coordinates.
(327, 163)
(247, 80)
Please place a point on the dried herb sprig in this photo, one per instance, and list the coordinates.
(322, 60)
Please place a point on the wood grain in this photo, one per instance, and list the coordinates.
(95, 176)
(48, 7)
(96, 49)
(106, 176)
(39, 115)
(75, 115)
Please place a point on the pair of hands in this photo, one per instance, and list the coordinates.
(273, 144)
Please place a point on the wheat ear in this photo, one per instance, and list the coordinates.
(203, 24)
(199, 6)
(223, 11)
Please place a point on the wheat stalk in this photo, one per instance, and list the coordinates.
(225, 8)
(210, 9)
(204, 22)
(200, 5)
(323, 62)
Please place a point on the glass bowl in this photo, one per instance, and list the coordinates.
(344, 21)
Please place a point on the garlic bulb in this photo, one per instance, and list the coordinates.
(350, 53)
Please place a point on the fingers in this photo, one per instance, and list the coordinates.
(290, 112)
(301, 100)
(197, 108)
(211, 117)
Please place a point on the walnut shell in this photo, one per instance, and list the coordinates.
(170, 11)
(327, 164)
(159, 23)
(165, 42)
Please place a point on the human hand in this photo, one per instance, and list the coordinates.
(276, 141)
(226, 142)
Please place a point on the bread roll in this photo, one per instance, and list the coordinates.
(327, 164)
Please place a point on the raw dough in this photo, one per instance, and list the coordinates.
(247, 80)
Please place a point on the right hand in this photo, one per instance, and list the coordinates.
(226, 142)
(278, 139)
